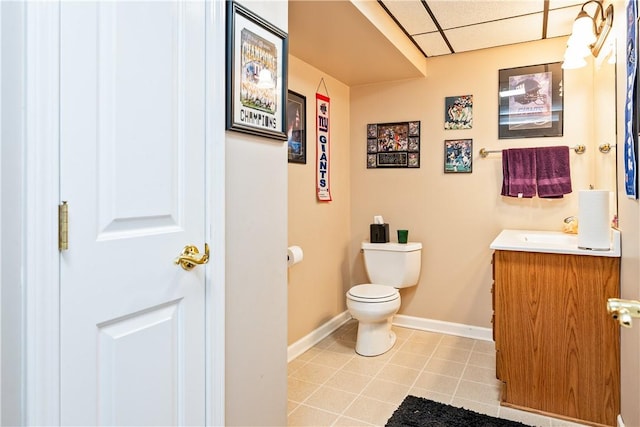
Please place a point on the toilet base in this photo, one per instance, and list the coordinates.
(375, 338)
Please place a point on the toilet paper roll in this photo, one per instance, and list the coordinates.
(294, 255)
(593, 220)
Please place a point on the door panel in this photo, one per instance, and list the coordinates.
(141, 96)
(127, 374)
(132, 170)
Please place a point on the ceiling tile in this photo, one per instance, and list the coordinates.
(457, 13)
(498, 33)
(558, 4)
(412, 15)
(432, 44)
(560, 21)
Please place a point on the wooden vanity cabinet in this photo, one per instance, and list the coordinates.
(557, 349)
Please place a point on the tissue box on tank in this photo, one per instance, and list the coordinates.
(379, 233)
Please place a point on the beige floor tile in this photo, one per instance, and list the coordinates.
(398, 374)
(369, 366)
(399, 343)
(291, 405)
(454, 354)
(402, 333)
(409, 360)
(314, 373)
(457, 342)
(445, 367)
(350, 422)
(418, 347)
(386, 391)
(484, 347)
(299, 390)
(525, 417)
(437, 383)
(349, 381)
(307, 416)
(343, 347)
(555, 422)
(483, 393)
(330, 399)
(332, 359)
(308, 355)
(426, 337)
(332, 385)
(325, 343)
(484, 360)
(294, 365)
(370, 410)
(480, 375)
(347, 334)
(432, 395)
(384, 357)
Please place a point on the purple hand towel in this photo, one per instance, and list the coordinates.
(519, 172)
(553, 174)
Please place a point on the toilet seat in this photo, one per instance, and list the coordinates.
(372, 293)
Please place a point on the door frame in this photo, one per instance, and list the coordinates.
(39, 256)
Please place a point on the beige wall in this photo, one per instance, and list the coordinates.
(316, 285)
(256, 247)
(456, 216)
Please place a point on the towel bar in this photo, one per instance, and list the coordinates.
(579, 149)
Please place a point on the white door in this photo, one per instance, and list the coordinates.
(132, 132)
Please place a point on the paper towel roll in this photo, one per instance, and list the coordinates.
(294, 255)
(593, 220)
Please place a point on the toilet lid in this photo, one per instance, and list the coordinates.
(373, 293)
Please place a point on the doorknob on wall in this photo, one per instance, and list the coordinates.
(190, 257)
(623, 310)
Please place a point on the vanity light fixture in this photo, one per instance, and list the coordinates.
(588, 34)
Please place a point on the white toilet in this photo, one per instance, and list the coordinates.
(390, 266)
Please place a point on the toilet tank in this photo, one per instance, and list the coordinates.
(393, 264)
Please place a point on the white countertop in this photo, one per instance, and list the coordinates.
(555, 242)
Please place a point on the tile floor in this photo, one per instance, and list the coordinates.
(330, 385)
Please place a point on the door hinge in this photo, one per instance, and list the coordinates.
(63, 226)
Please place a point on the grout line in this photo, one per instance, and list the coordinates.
(387, 362)
(422, 370)
(466, 364)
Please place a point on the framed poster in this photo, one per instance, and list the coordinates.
(296, 127)
(458, 112)
(256, 74)
(458, 156)
(531, 101)
(393, 145)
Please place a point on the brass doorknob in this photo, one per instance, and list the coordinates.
(191, 257)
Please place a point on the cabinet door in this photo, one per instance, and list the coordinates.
(559, 350)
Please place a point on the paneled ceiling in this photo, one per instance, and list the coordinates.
(359, 41)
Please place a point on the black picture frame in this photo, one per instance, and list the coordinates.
(296, 127)
(393, 145)
(256, 68)
(531, 101)
(458, 156)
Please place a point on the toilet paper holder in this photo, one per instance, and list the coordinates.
(294, 255)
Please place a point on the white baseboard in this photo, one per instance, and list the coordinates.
(317, 335)
(620, 422)
(449, 328)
